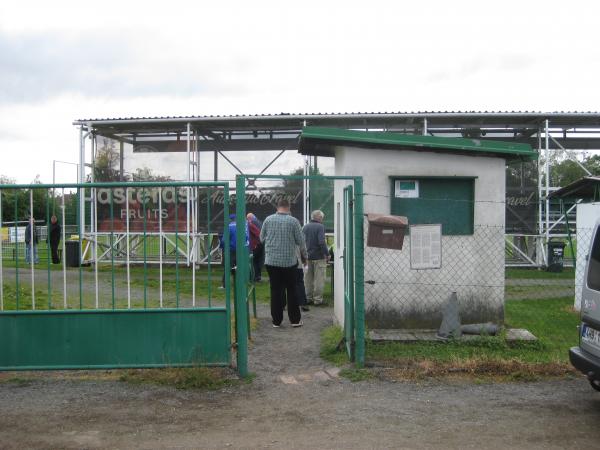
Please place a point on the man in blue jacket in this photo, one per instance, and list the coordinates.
(232, 245)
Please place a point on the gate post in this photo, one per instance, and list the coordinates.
(241, 277)
(359, 272)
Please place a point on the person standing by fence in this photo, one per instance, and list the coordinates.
(282, 234)
(232, 246)
(318, 254)
(31, 242)
(256, 247)
(54, 234)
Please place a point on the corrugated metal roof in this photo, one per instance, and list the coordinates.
(337, 114)
(587, 188)
(321, 141)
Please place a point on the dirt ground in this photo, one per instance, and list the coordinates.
(297, 401)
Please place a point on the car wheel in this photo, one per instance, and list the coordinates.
(595, 384)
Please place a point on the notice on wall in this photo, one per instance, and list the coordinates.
(426, 246)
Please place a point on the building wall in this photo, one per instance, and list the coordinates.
(473, 265)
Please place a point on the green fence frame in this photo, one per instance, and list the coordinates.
(81, 338)
(241, 294)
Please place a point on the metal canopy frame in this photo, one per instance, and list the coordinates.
(544, 131)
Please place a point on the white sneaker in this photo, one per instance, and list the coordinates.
(299, 324)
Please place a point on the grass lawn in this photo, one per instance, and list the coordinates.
(140, 277)
(552, 321)
(521, 273)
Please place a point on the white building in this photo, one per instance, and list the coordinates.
(457, 183)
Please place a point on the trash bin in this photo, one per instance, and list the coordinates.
(556, 254)
(72, 253)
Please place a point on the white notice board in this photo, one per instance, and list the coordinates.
(426, 246)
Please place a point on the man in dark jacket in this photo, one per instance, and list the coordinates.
(31, 242)
(318, 254)
(54, 234)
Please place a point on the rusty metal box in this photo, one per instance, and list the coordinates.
(386, 231)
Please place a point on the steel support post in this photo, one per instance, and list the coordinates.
(538, 257)
(547, 142)
(187, 200)
(81, 180)
(241, 278)
(359, 273)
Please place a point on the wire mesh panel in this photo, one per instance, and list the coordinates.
(479, 268)
(86, 251)
(397, 295)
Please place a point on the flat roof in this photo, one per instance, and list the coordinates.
(322, 141)
(587, 188)
(258, 132)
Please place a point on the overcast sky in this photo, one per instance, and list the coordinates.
(65, 60)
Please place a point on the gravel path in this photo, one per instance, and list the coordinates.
(295, 403)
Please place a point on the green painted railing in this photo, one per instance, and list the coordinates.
(108, 272)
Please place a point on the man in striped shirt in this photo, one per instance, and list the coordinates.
(281, 235)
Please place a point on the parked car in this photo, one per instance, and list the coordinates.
(586, 357)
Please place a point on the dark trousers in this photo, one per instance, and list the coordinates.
(232, 258)
(282, 281)
(258, 256)
(300, 290)
(54, 249)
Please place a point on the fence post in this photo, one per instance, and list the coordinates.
(359, 273)
(241, 277)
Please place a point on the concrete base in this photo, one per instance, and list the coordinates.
(512, 335)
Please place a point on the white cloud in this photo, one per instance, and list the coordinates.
(66, 60)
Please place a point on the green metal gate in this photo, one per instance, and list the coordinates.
(353, 263)
(348, 261)
(139, 292)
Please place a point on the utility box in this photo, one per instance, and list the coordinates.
(386, 231)
(556, 254)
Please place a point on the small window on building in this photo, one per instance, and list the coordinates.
(445, 200)
(593, 275)
(406, 189)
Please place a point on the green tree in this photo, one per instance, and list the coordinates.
(566, 170)
(106, 162)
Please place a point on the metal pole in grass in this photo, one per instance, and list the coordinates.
(359, 272)
(176, 249)
(16, 241)
(48, 248)
(80, 213)
(64, 253)
(32, 251)
(94, 225)
(226, 263)
(112, 248)
(128, 249)
(1, 258)
(241, 277)
(160, 248)
(194, 243)
(208, 199)
(145, 251)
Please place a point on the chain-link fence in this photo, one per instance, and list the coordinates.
(400, 293)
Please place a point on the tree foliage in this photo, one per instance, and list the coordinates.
(107, 162)
(16, 203)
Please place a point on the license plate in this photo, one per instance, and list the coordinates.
(590, 335)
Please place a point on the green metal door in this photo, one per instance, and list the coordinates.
(348, 256)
